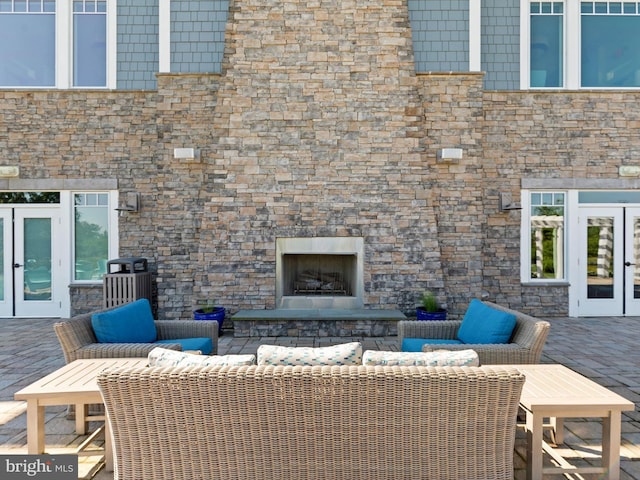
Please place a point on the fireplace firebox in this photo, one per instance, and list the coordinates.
(319, 272)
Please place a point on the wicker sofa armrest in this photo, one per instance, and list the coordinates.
(529, 333)
(74, 334)
(491, 354)
(170, 329)
(446, 329)
(120, 350)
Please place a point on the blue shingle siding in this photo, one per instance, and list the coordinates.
(440, 32)
(137, 44)
(500, 44)
(197, 35)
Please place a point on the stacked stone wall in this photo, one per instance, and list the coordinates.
(318, 126)
(550, 135)
(320, 131)
(453, 111)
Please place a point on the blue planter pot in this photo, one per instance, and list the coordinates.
(216, 314)
(422, 314)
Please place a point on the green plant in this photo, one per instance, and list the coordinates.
(429, 302)
(207, 306)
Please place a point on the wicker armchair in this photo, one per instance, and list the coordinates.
(78, 340)
(525, 346)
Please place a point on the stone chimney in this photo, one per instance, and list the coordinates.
(318, 131)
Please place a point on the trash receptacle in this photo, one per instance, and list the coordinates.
(131, 281)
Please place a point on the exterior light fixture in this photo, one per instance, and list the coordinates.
(132, 203)
(186, 153)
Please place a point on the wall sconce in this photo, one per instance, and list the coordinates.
(186, 153)
(451, 155)
(132, 203)
(9, 171)
(505, 202)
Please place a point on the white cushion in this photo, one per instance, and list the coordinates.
(163, 357)
(343, 354)
(439, 358)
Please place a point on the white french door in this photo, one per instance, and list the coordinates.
(32, 244)
(609, 261)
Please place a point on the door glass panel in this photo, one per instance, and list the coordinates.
(37, 259)
(29, 197)
(626, 196)
(600, 257)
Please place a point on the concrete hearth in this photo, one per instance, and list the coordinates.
(316, 322)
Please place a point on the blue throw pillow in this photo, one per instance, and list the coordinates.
(415, 344)
(130, 323)
(484, 324)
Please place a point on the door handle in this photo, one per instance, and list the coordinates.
(17, 265)
(628, 264)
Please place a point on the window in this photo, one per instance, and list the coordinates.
(546, 44)
(91, 235)
(610, 33)
(27, 43)
(57, 43)
(578, 44)
(547, 236)
(89, 43)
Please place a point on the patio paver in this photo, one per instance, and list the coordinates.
(604, 349)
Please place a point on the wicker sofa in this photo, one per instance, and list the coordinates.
(78, 340)
(524, 347)
(313, 422)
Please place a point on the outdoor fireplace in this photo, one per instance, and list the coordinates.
(319, 272)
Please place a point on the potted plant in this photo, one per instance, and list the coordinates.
(430, 308)
(209, 311)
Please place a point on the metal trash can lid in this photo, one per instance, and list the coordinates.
(128, 265)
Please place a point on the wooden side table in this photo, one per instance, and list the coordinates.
(75, 383)
(557, 392)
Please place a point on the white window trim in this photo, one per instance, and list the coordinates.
(164, 36)
(525, 42)
(571, 63)
(475, 35)
(112, 44)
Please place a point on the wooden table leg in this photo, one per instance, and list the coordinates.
(81, 418)
(558, 430)
(534, 446)
(611, 432)
(35, 427)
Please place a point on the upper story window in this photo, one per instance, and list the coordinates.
(27, 43)
(546, 46)
(57, 43)
(577, 44)
(89, 43)
(610, 34)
